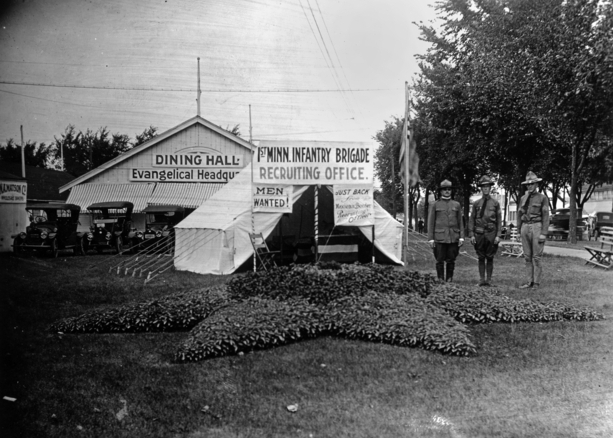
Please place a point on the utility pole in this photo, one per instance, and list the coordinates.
(23, 154)
(250, 132)
(198, 93)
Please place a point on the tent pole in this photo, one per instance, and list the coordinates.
(316, 221)
(252, 213)
(373, 244)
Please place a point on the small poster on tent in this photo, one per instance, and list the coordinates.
(353, 205)
(272, 198)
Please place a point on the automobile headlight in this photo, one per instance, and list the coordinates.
(43, 234)
(158, 234)
(22, 235)
(139, 234)
(90, 236)
(108, 236)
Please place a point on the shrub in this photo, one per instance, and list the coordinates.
(254, 323)
(405, 320)
(479, 306)
(172, 312)
(321, 286)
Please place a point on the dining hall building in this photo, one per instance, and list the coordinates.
(183, 166)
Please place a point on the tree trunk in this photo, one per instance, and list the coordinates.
(572, 223)
(426, 209)
(410, 212)
(393, 182)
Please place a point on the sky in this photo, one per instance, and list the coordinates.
(330, 70)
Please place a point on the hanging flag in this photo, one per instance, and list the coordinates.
(413, 164)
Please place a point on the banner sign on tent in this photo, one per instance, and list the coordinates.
(308, 165)
(353, 205)
(272, 198)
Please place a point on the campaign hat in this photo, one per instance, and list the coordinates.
(485, 181)
(531, 178)
(445, 184)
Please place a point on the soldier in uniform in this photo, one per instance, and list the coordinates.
(484, 228)
(445, 231)
(533, 222)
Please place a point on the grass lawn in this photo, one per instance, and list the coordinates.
(546, 380)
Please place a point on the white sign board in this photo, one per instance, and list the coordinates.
(197, 160)
(272, 198)
(353, 205)
(182, 175)
(13, 192)
(307, 165)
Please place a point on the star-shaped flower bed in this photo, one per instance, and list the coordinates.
(369, 302)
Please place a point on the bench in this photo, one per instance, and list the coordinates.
(602, 256)
(512, 247)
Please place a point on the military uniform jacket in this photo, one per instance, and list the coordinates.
(445, 221)
(538, 211)
(491, 220)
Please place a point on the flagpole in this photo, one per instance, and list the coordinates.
(407, 179)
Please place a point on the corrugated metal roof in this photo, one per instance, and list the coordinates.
(183, 194)
(87, 194)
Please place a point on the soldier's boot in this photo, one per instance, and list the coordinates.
(440, 272)
(482, 281)
(490, 270)
(450, 267)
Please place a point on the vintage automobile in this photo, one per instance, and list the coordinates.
(160, 221)
(603, 219)
(53, 228)
(559, 224)
(111, 227)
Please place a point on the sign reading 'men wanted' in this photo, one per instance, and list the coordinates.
(310, 163)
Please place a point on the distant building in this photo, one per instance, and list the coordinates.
(601, 200)
(39, 185)
(43, 184)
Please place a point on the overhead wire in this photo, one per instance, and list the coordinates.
(190, 90)
(336, 55)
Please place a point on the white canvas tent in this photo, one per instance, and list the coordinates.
(214, 239)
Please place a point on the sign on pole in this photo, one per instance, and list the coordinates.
(272, 198)
(353, 205)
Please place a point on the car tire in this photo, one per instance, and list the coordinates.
(119, 245)
(17, 249)
(79, 248)
(54, 249)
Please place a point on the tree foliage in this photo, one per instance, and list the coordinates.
(35, 155)
(509, 86)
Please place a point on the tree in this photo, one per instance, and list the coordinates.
(235, 130)
(35, 155)
(523, 85)
(146, 135)
(84, 151)
(386, 165)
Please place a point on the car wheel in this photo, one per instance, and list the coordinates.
(54, 249)
(79, 248)
(119, 245)
(17, 249)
